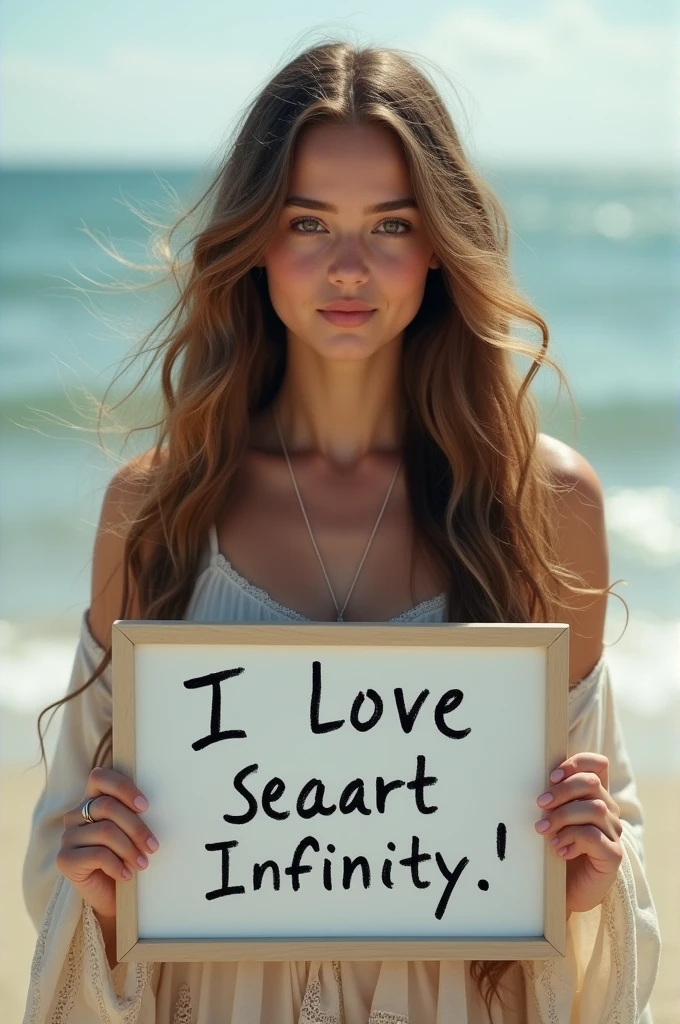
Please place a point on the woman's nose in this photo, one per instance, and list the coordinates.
(348, 263)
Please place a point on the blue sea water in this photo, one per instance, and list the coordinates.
(595, 253)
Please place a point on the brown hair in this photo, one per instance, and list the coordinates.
(482, 497)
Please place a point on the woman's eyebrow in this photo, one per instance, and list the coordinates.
(316, 204)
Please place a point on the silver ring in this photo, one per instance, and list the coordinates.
(85, 810)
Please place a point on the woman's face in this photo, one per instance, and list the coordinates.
(346, 250)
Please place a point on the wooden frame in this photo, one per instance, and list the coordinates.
(554, 637)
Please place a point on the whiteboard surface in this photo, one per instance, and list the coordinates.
(189, 791)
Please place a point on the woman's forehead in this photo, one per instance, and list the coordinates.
(347, 160)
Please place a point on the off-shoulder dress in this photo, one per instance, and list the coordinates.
(607, 975)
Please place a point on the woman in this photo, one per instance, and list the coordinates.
(345, 437)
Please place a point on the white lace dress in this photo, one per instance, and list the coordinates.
(606, 977)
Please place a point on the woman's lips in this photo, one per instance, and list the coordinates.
(341, 319)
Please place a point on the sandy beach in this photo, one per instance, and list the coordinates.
(661, 800)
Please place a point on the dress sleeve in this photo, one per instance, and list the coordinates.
(70, 978)
(612, 950)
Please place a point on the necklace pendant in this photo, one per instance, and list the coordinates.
(340, 618)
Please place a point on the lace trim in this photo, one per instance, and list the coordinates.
(39, 956)
(311, 1012)
(619, 924)
(220, 562)
(621, 935)
(127, 1007)
(589, 681)
(84, 955)
(545, 977)
(183, 1006)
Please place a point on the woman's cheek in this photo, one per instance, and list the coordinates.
(291, 265)
(289, 279)
(402, 276)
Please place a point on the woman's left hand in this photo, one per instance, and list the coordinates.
(584, 826)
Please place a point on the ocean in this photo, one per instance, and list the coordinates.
(595, 252)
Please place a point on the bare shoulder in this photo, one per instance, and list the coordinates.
(121, 500)
(581, 547)
(570, 468)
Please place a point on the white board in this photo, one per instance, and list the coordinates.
(466, 755)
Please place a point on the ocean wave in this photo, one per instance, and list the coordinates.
(646, 521)
(37, 667)
(645, 665)
(613, 414)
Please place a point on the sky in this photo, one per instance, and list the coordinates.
(147, 83)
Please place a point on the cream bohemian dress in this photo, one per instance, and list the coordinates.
(607, 975)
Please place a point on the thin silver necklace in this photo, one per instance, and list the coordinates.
(340, 611)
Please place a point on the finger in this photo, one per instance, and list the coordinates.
(583, 762)
(587, 839)
(107, 780)
(580, 812)
(583, 785)
(106, 833)
(109, 807)
(76, 863)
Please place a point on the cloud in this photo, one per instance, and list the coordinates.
(566, 82)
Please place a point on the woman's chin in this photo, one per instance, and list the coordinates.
(347, 345)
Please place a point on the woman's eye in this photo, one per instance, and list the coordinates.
(305, 220)
(395, 222)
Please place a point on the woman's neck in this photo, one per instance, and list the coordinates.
(342, 409)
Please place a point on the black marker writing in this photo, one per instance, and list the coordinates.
(501, 838)
(408, 718)
(215, 679)
(355, 871)
(317, 726)
(226, 890)
(311, 799)
(449, 701)
(296, 867)
(414, 860)
(356, 708)
(418, 785)
(451, 879)
(349, 865)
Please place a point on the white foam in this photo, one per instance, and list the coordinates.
(646, 520)
(34, 670)
(645, 665)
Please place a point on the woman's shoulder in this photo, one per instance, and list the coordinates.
(568, 466)
(581, 547)
(579, 500)
(126, 490)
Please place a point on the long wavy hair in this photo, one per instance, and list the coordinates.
(482, 498)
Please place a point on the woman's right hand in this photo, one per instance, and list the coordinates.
(93, 856)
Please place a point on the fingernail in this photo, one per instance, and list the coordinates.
(152, 843)
(126, 873)
(557, 775)
(141, 802)
(142, 861)
(543, 825)
(544, 799)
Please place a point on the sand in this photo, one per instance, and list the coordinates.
(19, 792)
